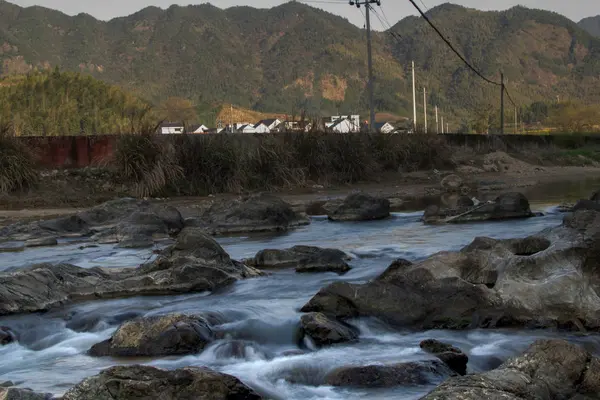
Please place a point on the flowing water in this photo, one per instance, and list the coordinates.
(261, 315)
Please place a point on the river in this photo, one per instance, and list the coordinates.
(261, 315)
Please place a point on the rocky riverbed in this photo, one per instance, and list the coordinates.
(252, 299)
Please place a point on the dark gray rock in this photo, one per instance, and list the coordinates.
(452, 183)
(549, 369)
(195, 263)
(66, 225)
(7, 336)
(586, 205)
(504, 207)
(149, 383)
(13, 393)
(325, 331)
(41, 242)
(360, 207)
(452, 356)
(383, 376)
(258, 213)
(549, 280)
(166, 335)
(304, 259)
(7, 384)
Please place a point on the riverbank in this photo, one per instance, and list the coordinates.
(406, 191)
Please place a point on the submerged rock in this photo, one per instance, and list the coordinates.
(325, 331)
(257, 213)
(549, 369)
(549, 280)
(7, 336)
(195, 263)
(13, 393)
(149, 383)
(382, 376)
(452, 356)
(304, 259)
(506, 206)
(360, 207)
(156, 336)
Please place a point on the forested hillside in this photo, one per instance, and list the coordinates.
(294, 57)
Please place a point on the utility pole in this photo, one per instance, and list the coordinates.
(367, 4)
(414, 99)
(502, 104)
(442, 124)
(425, 107)
(447, 127)
(516, 121)
(437, 124)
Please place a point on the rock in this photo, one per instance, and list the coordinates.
(452, 183)
(549, 369)
(454, 200)
(6, 384)
(41, 242)
(549, 280)
(453, 357)
(382, 376)
(7, 336)
(304, 259)
(595, 196)
(259, 213)
(129, 220)
(149, 383)
(13, 393)
(195, 263)
(504, 207)
(325, 331)
(167, 335)
(586, 205)
(66, 225)
(360, 207)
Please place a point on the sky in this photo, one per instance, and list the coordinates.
(394, 10)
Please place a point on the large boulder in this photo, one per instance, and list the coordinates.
(383, 376)
(504, 207)
(258, 213)
(134, 223)
(304, 259)
(325, 331)
(550, 280)
(360, 207)
(549, 369)
(166, 335)
(195, 263)
(13, 393)
(7, 336)
(452, 356)
(149, 383)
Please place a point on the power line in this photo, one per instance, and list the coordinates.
(452, 47)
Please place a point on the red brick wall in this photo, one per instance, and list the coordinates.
(71, 151)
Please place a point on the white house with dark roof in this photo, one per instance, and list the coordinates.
(197, 129)
(384, 127)
(171, 128)
(245, 128)
(272, 124)
(261, 128)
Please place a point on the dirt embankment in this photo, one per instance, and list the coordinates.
(64, 192)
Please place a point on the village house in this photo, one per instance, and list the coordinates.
(384, 127)
(272, 124)
(197, 129)
(261, 128)
(171, 128)
(343, 124)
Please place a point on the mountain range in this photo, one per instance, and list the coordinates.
(592, 25)
(295, 57)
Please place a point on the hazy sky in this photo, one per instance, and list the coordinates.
(393, 9)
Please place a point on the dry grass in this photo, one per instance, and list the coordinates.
(17, 165)
(204, 164)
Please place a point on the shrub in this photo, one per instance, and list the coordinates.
(17, 165)
(147, 161)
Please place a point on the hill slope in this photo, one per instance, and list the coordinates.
(294, 57)
(591, 25)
